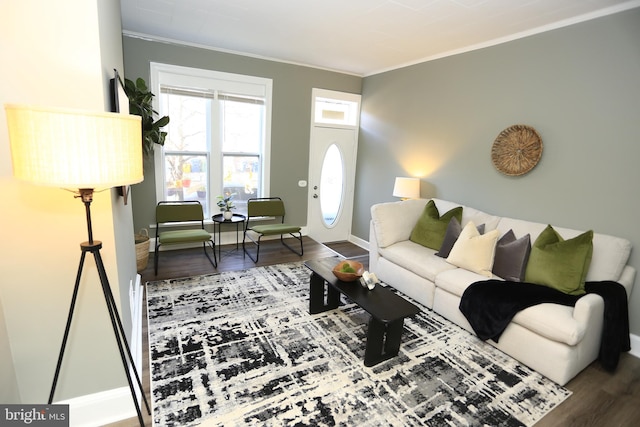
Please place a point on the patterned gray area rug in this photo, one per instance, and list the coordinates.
(240, 348)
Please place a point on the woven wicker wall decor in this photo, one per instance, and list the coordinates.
(516, 150)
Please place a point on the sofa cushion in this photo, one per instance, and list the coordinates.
(431, 227)
(510, 261)
(474, 251)
(610, 253)
(558, 263)
(610, 256)
(416, 258)
(453, 232)
(456, 281)
(393, 222)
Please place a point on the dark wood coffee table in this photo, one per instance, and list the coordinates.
(386, 308)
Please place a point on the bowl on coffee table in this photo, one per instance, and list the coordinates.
(348, 270)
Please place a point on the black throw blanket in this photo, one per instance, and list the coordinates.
(490, 305)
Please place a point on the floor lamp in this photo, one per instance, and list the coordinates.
(82, 151)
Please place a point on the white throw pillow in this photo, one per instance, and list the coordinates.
(474, 251)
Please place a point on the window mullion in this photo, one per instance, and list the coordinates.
(215, 139)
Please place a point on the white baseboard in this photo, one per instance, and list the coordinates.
(359, 242)
(101, 408)
(635, 345)
(136, 298)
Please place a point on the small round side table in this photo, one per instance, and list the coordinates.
(219, 221)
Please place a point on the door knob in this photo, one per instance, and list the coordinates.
(315, 196)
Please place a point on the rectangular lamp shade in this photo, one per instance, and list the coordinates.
(407, 188)
(74, 148)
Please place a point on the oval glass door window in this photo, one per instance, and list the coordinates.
(331, 184)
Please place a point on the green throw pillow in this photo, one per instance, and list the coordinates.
(431, 228)
(558, 263)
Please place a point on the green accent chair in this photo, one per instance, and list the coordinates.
(265, 217)
(188, 217)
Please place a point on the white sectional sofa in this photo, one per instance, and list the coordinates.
(556, 340)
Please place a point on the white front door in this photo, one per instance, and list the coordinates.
(332, 166)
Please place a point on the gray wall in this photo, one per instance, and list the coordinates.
(291, 115)
(577, 86)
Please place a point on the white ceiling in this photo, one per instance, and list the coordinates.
(361, 37)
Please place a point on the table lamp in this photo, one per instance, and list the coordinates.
(406, 188)
(81, 151)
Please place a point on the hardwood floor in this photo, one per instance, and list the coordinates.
(191, 262)
(599, 398)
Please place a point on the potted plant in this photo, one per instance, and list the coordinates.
(226, 204)
(141, 104)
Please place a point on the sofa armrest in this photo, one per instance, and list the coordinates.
(587, 307)
(394, 221)
(591, 305)
(374, 255)
(626, 279)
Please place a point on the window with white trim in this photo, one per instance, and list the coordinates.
(217, 139)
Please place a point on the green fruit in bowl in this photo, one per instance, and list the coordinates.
(346, 268)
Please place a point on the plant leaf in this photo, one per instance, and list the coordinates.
(161, 122)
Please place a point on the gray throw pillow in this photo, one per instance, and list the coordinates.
(451, 236)
(512, 255)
